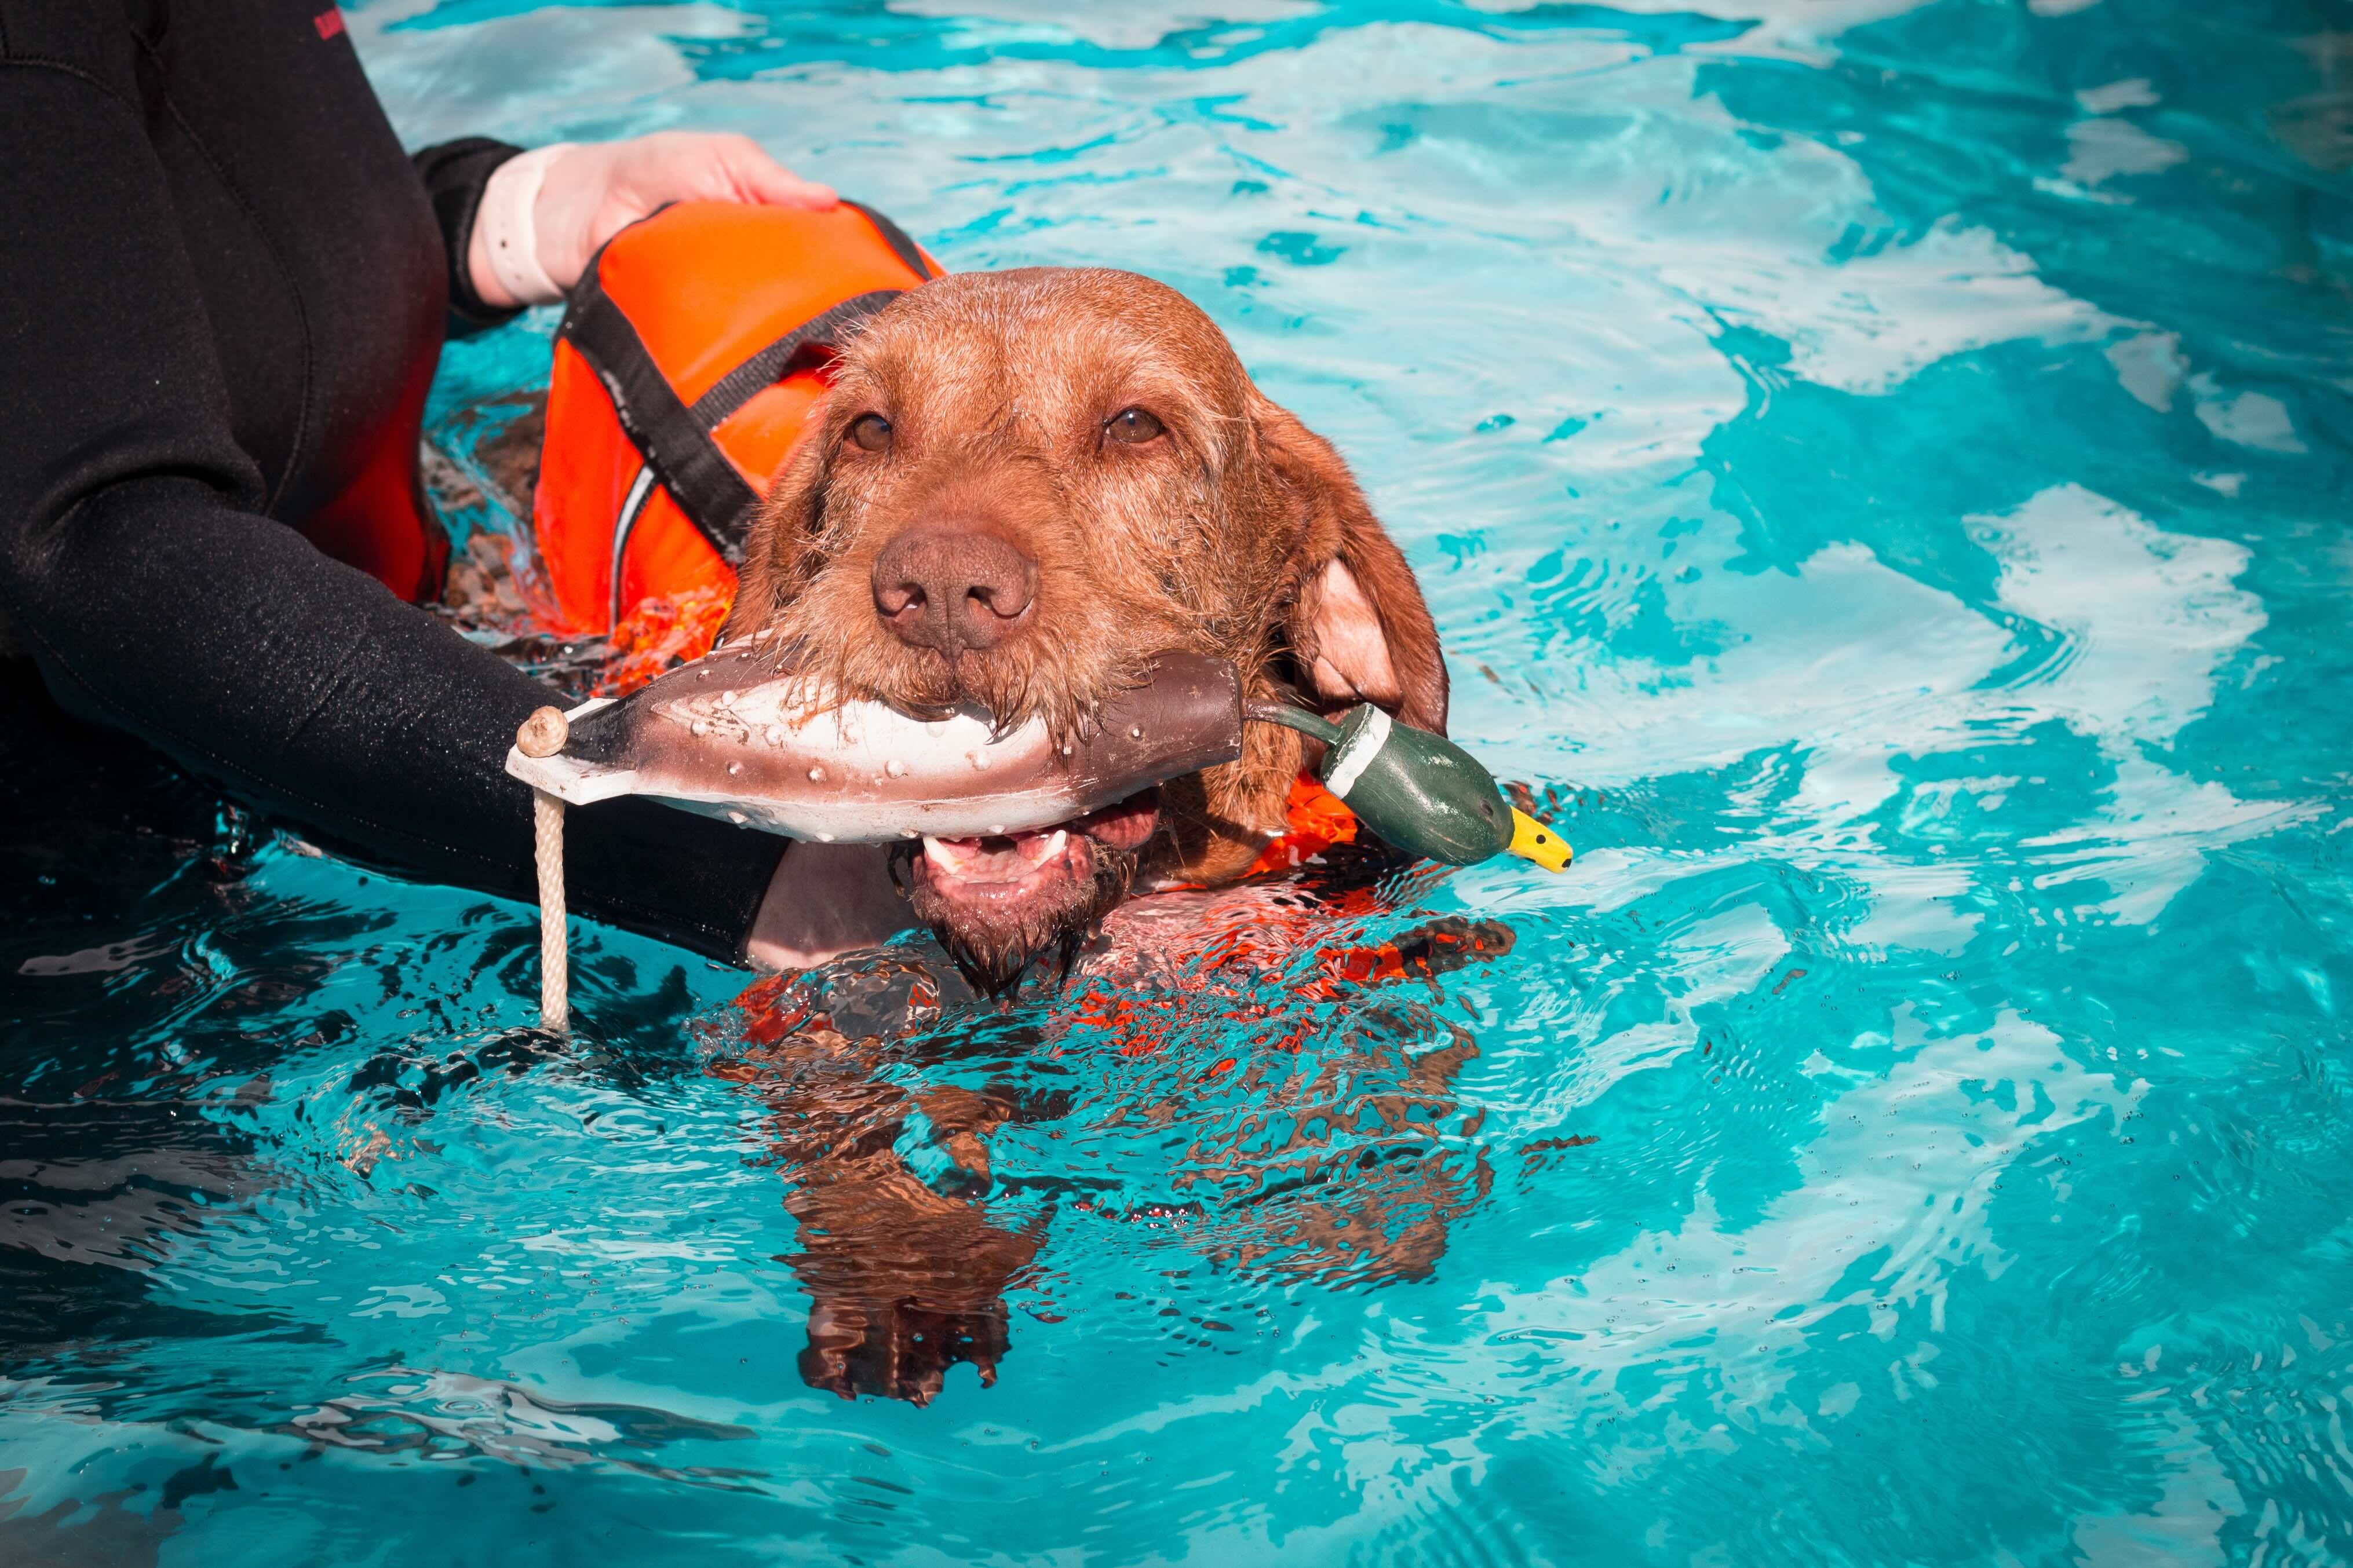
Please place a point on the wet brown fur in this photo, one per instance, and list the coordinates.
(1216, 538)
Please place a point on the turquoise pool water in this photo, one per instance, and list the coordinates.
(1881, 472)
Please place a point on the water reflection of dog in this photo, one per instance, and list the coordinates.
(1335, 1151)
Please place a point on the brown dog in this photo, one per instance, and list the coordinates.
(1021, 488)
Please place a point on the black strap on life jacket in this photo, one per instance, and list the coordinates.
(767, 367)
(675, 440)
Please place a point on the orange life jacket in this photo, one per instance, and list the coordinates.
(686, 364)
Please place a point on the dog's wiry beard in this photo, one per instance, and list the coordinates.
(994, 955)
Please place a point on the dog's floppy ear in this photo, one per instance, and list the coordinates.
(1357, 621)
(777, 554)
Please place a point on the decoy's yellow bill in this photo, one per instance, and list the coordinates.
(1532, 840)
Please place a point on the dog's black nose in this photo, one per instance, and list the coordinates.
(948, 590)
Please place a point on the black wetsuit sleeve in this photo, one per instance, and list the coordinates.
(454, 174)
(138, 568)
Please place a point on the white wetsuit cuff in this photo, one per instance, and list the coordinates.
(510, 237)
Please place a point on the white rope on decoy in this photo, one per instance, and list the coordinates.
(542, 735)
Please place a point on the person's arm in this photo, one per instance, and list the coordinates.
(136, 567)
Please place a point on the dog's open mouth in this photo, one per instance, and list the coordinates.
(999, 901)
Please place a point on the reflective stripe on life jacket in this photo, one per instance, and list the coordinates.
(688, 361)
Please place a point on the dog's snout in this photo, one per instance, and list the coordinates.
(950, 589)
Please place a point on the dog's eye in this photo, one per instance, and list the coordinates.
(870, 431)
(1133, 426)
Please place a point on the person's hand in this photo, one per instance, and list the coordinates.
(589, 193)
(597, 189)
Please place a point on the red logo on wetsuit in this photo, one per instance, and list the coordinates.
(330, 23)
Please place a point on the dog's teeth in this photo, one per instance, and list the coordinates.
(1054, 845)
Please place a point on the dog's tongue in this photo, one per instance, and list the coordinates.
(1006, 859)
(736, 736)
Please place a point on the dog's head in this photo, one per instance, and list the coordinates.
(1023, 487)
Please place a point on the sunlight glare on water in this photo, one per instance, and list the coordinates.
(1878, 469)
